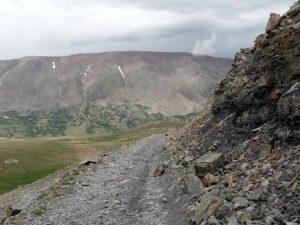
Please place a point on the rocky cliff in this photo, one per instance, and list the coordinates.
(245, 147)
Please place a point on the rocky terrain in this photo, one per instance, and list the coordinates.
(244, 149)
(105, 91)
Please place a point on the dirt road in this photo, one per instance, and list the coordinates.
(120, 190)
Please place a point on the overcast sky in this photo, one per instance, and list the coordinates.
(63, 27)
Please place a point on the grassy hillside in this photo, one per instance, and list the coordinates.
(43, 155)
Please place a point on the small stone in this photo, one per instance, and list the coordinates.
(240, 203)
(244, 166)
(255, 194)
(201, 208)
(164, 200)
(277, 174)
(265, 150)
(245, 216)
(294, 187)
(159, 171)
(228, 180)
(232, 220)
(11, 161)
(209, 180)
(213, 221)
(208, 163)
(2, 217)
(212, 208)
(224, 211)
(265, 183)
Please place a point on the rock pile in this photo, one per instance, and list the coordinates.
(245, 148)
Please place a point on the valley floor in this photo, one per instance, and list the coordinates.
(119, 190)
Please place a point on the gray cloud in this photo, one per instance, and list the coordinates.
(62, 27)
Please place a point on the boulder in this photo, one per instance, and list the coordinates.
(190, 184)
(273, 22)
(208, 163)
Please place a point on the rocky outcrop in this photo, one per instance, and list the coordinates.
(253, 120)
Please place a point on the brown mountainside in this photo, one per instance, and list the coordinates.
(169, 83)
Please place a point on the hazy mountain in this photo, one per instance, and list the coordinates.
(166, 84)
(170, 83)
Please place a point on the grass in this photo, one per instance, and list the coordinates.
(39, 157)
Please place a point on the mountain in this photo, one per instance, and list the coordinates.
(245, 147)
(104, 89)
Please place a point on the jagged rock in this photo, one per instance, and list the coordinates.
(255, 195)
(265, 150)
(190, 184)
(265, 183)
(273, 22)
(232, 220)
(213, 221)
(3, 216)
(209, 180)
(208, 163)
(240, 203)
(212, 208)
(224, 211)
(201, 208)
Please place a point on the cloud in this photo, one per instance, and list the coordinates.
(206, 46)
(55, 27)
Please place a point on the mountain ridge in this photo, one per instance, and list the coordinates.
(55, 74)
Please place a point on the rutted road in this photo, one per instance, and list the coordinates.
(120, 190)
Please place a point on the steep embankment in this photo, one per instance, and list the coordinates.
(104, 91)
(253, 120)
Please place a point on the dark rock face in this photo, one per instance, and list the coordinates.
(253, 119)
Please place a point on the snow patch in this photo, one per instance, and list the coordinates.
(6, 117)
(53, 65)
(85, 74)
(120, 70)
(87, 69)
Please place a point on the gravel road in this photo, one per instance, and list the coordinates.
(120, 190)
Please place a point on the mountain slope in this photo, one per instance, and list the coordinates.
(106, 91)
(253, 120)
(169, 83)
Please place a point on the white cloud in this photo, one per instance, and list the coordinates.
(206, 46)
(56, 27)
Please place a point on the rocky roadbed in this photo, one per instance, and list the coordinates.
(120, 189)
